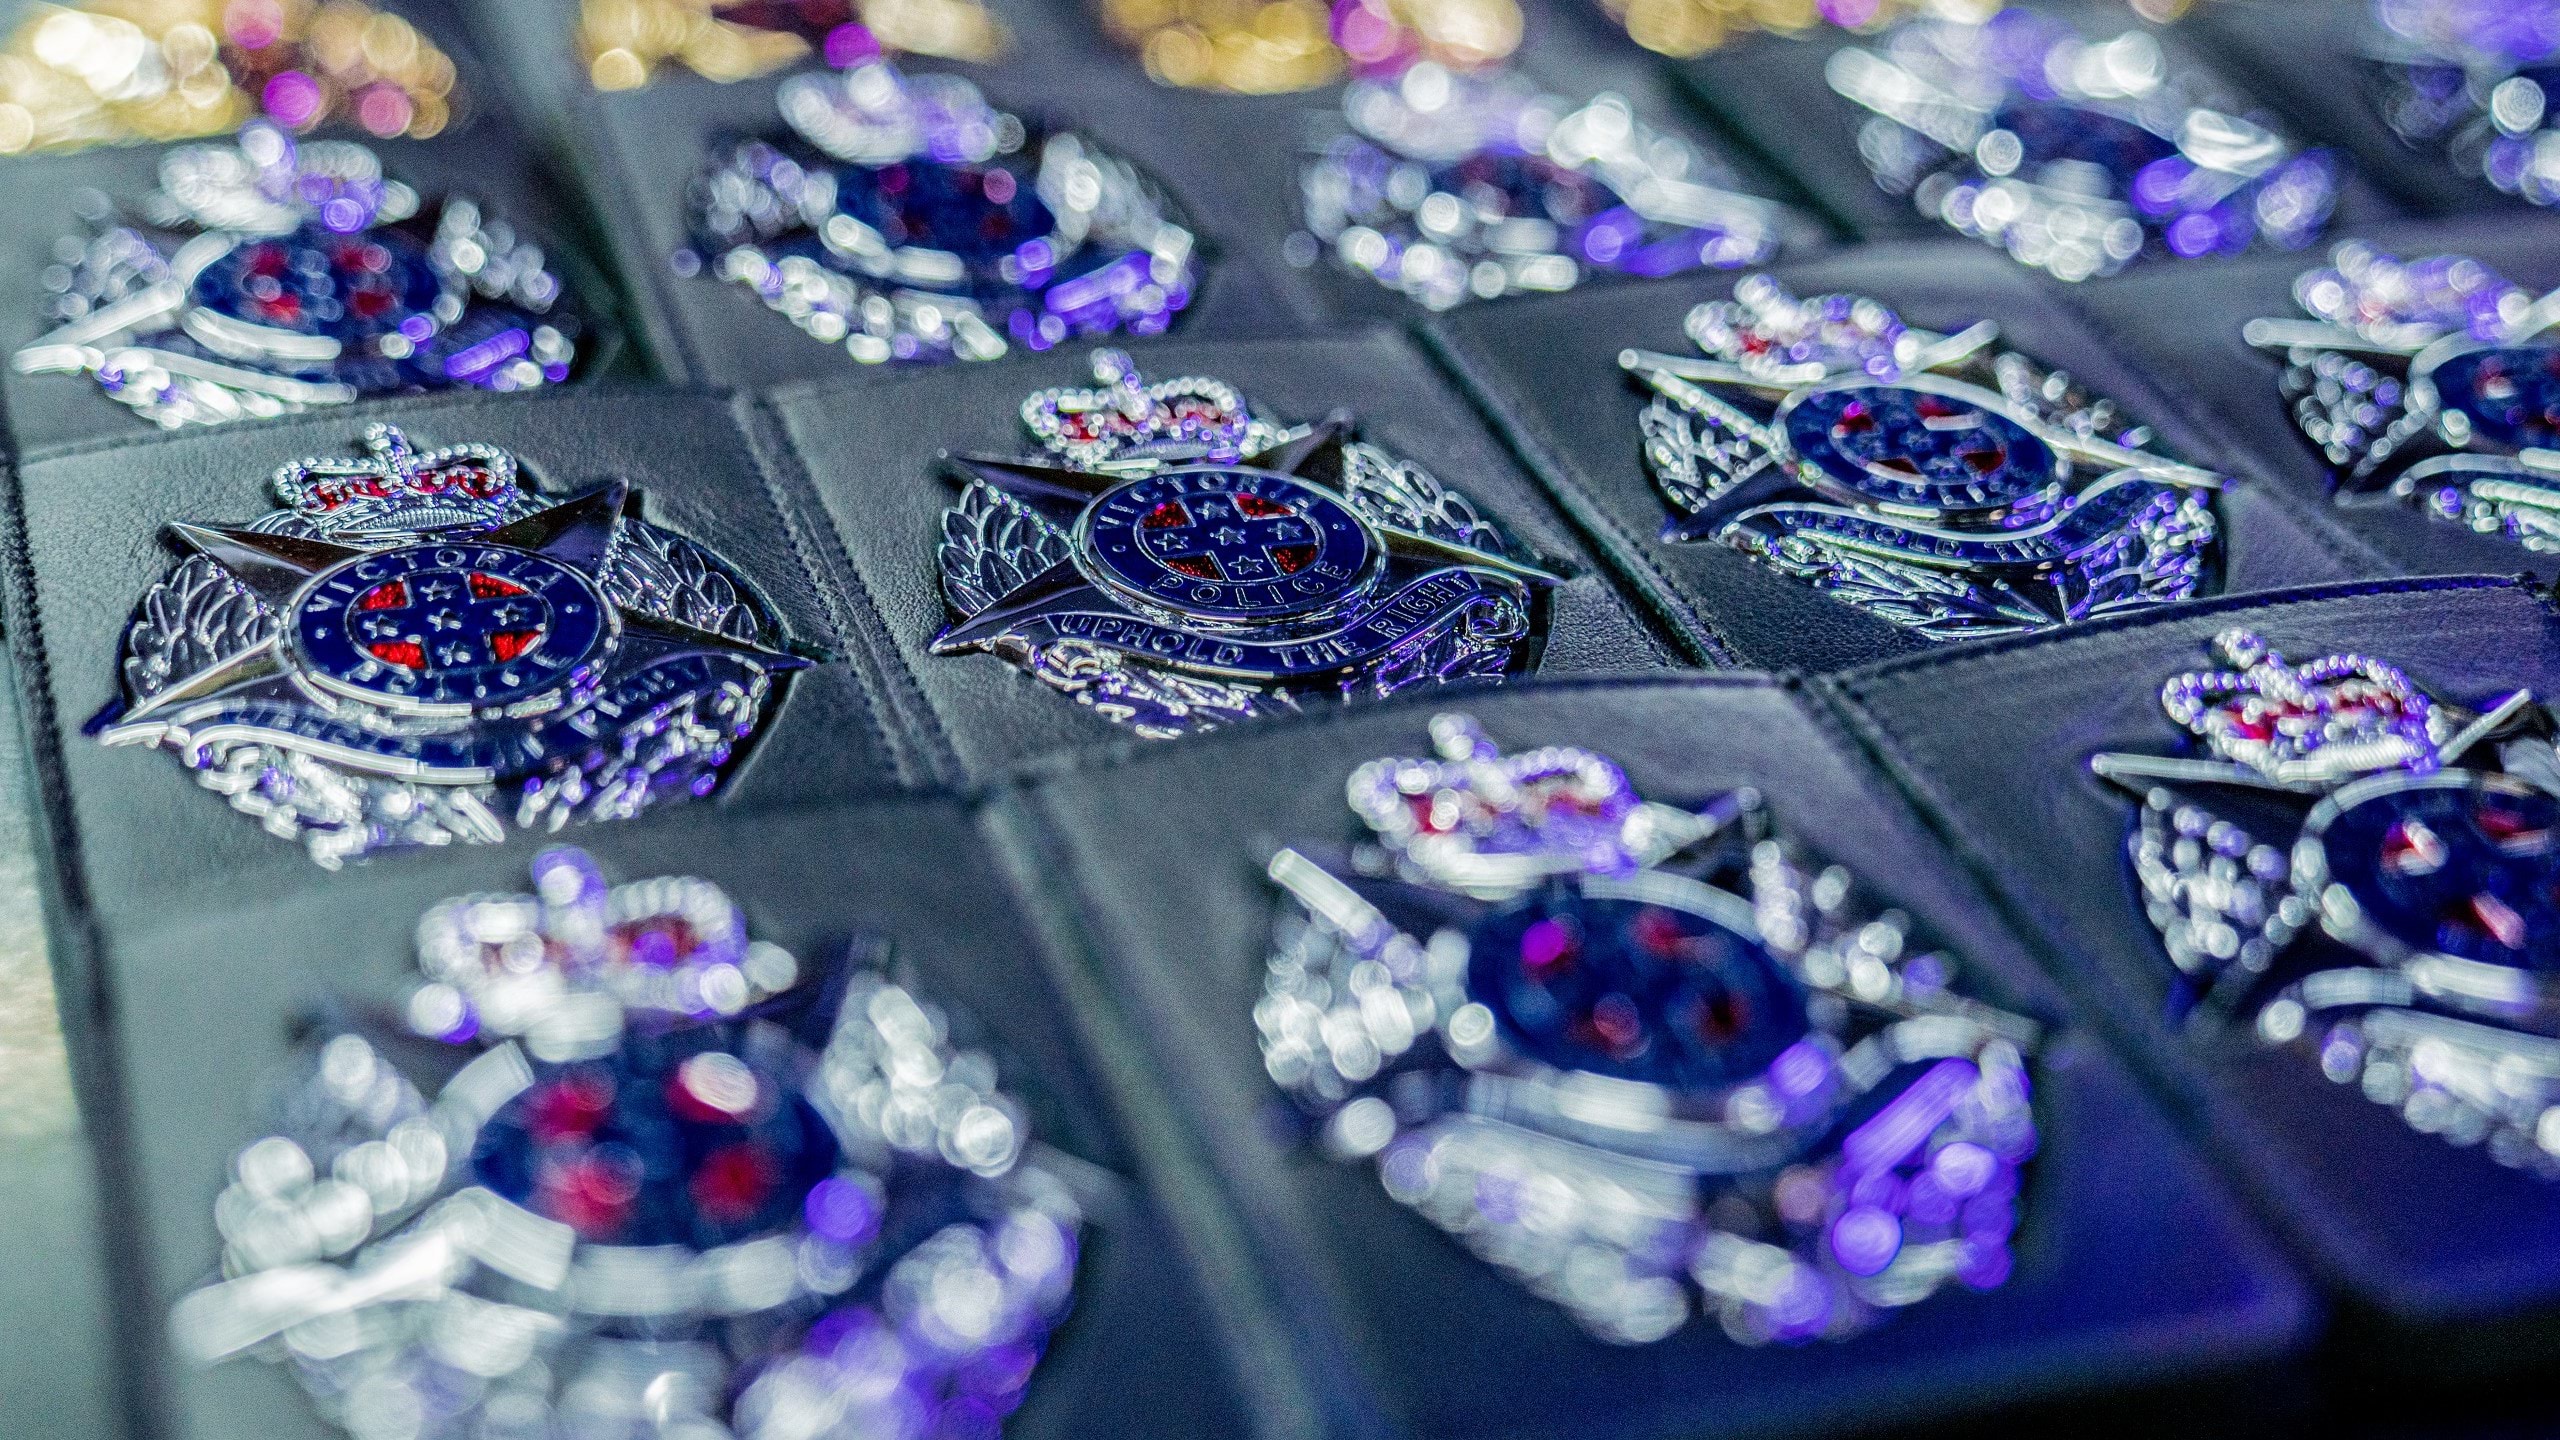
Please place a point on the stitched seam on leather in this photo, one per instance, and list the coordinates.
(827, 600)
(363, 412)
(2319, 522)
(1509, 418)
(2089, 631)
(42, 722)
(913, 703)
(1836, 722)
(1030, 839)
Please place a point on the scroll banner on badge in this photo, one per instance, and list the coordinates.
(471, 753)
(1419, 608)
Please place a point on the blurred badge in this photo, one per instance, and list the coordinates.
(1449, 187)
(2076, 155)
(693, 1190)
(277, 275)
(1177, 562)
(2433, 380)
(2354, 869)
(1652, 1062)
(1943, 482)
(2472, 79)
(420, 650)
(905, 218)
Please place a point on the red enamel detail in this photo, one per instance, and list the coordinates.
(490, 587)
(571, 1106)
(2508, 829)
(2411, 850)
(2494, 918)
(733, 1182)
(590, 1195)
(1254, 507)
(1618, 1025)
(1170, 515)
(407, 654)
(506, 645)
(389, 595)
(1293, 558)
(1719, 1020)
(1657, 933)
(1198, 567)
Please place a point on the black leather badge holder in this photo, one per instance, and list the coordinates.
(486, 156)
(204, 1004)
(1772, 91)
(147, 842)
(2185, 322)
(2424, 1238)
(1548, 369)
(2131, 1265)
(870, 451)
(646, 147)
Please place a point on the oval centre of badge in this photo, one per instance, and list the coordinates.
(1229, 543)
(2510, 393)
(1919, 449)
(447, 629)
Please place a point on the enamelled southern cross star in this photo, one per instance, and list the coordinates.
(1268, 539)
(511, 622)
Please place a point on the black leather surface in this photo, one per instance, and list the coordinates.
(1547, 369)
(1996, 740)
(870, 446)
(152, 842)
(203, 1002)
(2183, 323)
(1769, 90)
(2133, 1265)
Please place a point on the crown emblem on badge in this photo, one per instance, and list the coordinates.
(2337, 716)
(1481, 821)
(1125, 416)
(393, 487)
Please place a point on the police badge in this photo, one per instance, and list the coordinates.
(276, 275)
(418, 650)
(2335, 870)
(1646, 1060)
(2077, 156)
(2433, 380)
(1948, 485)
(2472, 78)
(907, 219)
(725, 1214)
(1449, 187)
(1178, 563)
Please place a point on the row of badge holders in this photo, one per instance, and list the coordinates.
(2198, 1209)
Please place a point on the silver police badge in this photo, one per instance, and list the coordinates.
(907, 219)
(2432, 380)
(2347, 865)
(278, 274)
(1652, 1062)
(419, 650)
(1179, 563)
(1949, 485)
(676, 1184)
